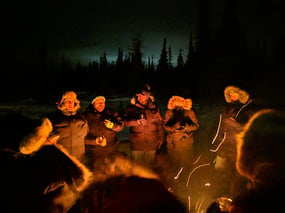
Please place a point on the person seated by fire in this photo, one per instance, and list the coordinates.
(69, 125)
(180, 122)
(104, 123)
(143, 118)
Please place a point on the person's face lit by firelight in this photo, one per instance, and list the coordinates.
(69, 104)
(142, 99)
(99, 105)
(234, 96)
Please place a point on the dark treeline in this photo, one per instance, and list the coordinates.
(213, 60)
(203, 72)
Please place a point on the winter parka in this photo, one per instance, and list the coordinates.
(144, 137)
(97, 129)
(225, 143)
(72, 130)
(180, 122)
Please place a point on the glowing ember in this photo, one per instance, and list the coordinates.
(207, 184)
(176, 177)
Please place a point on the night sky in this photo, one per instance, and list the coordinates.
(82, 30)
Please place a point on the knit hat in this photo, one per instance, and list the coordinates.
(98, 98)
(144, 90)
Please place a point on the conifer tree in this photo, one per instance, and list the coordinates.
(169, 58)
(103, 62)
(136, 54)
(163, 60)
(190, 54)
(120, 61)
(180, 60)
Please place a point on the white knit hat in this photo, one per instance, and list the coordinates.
(98, 97)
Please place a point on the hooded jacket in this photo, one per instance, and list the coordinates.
(98, 129)
(180, 121)
(144, 137)
(71, 126)
(72, 130)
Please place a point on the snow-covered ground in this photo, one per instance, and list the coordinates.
(207, 114)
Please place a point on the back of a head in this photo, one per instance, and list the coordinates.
(260, 147)
(260, 158)
(16, 127)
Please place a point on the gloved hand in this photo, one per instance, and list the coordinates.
(53, 139)
(141, 122)
(178, 126)
(101, 141)
(109, 124)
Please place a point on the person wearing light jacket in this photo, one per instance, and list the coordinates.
(69, 125)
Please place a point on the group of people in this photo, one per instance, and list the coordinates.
(260, 160)
(91, 134)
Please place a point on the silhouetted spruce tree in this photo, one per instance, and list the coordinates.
(163, 60)
(150, 64)
(170, 58)
(120, 60)
(190, 54)
(79, 67)
(66, 65)
(93, 66)
(136, 54)
(180, 60)
(103, 62)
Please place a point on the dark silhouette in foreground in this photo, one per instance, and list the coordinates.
(43, 177)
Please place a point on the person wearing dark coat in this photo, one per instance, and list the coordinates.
(180, 122)
(143, 118)
(104, 123)
(70, 125)
(234, 114)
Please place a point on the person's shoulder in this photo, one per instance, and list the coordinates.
(55, 115)
(131, 107)
(258, 200)
(109, 110)
(80, 116)
(154, 108)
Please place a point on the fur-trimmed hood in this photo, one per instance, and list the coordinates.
(69, 95)
(243, 95)
(33, 141)
(145, 90)
(178, 102)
